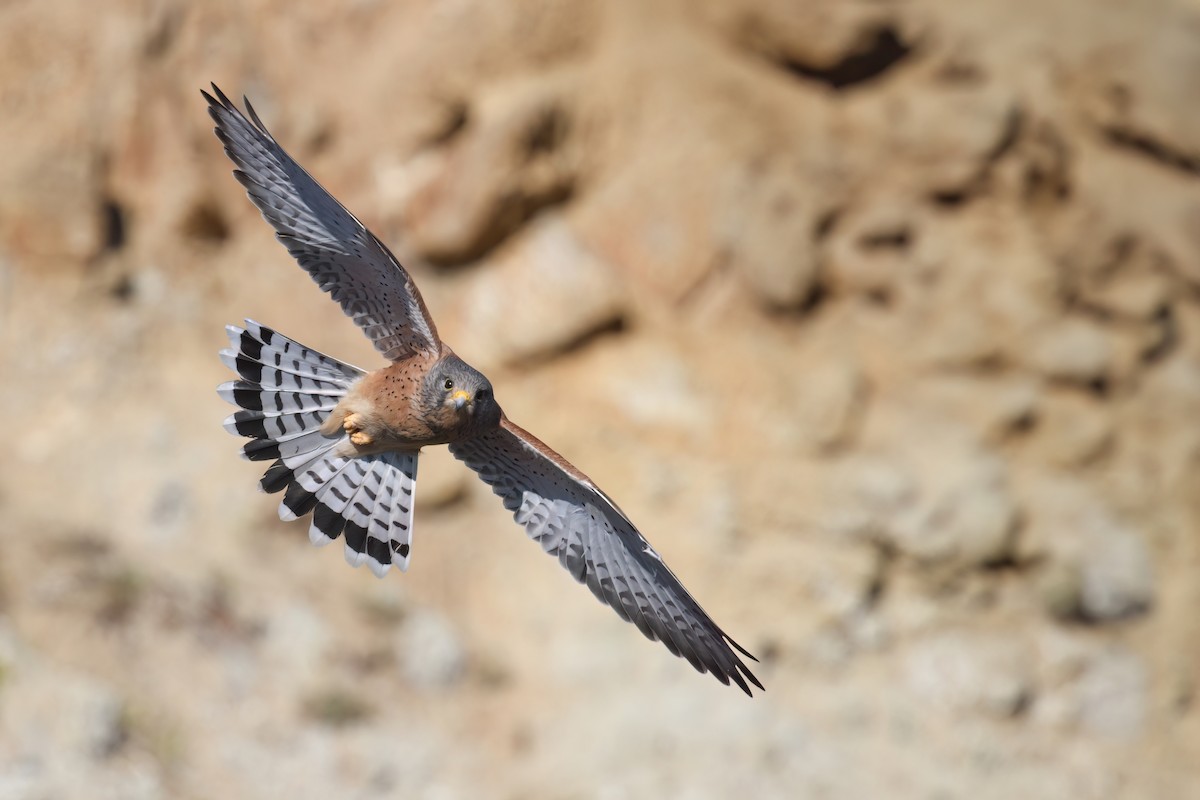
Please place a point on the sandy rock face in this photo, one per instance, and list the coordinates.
(503, 158)
(542, 294)
(879, 319)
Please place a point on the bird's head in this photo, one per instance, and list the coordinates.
(455, 386)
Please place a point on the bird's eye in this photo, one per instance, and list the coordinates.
(449, 384)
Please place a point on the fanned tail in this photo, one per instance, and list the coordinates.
(285, 394)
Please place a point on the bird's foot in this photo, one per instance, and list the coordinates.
(353, 424)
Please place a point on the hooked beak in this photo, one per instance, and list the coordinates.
(460, 399)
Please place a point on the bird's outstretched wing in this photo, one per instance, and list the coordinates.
(340, 254)
(566, 513)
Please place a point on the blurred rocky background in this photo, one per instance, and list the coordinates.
(882, 319)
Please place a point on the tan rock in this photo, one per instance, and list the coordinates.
(981, 285)
(941, 506)
(771, 233)
(1071, 429)
(431, 651)
(949, 135)
(1074, 350)
(542, 294)
(1131, 93)
(997, 407)
(441, 479)
(870, 249)
(1094, 566)
(54, 207)
(815, 37)
(515, 155)
(971, 672)
(831, 401)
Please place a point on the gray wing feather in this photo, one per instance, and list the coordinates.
(342, 256)
(572, 519)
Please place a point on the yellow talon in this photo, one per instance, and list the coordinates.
(358, 436)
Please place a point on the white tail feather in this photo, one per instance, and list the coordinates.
(285, 393)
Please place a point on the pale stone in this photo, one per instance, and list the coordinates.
(1074, 350)
(971, 672)
(545, 292)
(431, 652)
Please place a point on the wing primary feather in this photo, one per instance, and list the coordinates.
(328, 241)
(597, 544)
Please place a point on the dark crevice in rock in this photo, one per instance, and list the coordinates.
(826, 223)
(952, 198)
(123, 289)
(115, 223)
(512, 212)
(1167, 338)
(457, 117)
(897, 239)
(205, 223)
(961, 72)
(1100, 386)
(547, 133)
(545, 179)
(613, 327)
(881, 50)
(1047, 175)
(769, 651)
(1022, 425)
(817, 295)
(162, 32)
(876, 588)
(1147, 146)
(880, 297)
(1013, 126)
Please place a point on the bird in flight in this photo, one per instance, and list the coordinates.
(344, 442)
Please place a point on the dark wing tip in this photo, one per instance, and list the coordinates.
(223, 101)
(738, 671)
(254, 116)
(220, 108)
(219, 104)
(752, 678)
(740, 649)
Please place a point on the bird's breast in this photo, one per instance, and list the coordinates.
(390, 398)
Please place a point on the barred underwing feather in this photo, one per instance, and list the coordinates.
(268, 424)
(356, 514)
(287, 448)
(337, 251)
(332, 497)
(571, 519)
(311, 477)
(370, 501)
(282, 378)
(297, 501)
(286, 392)
(266, 346)
(378, 529)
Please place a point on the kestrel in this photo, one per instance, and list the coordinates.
(344, 442)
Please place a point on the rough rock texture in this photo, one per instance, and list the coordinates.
(882, 319)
